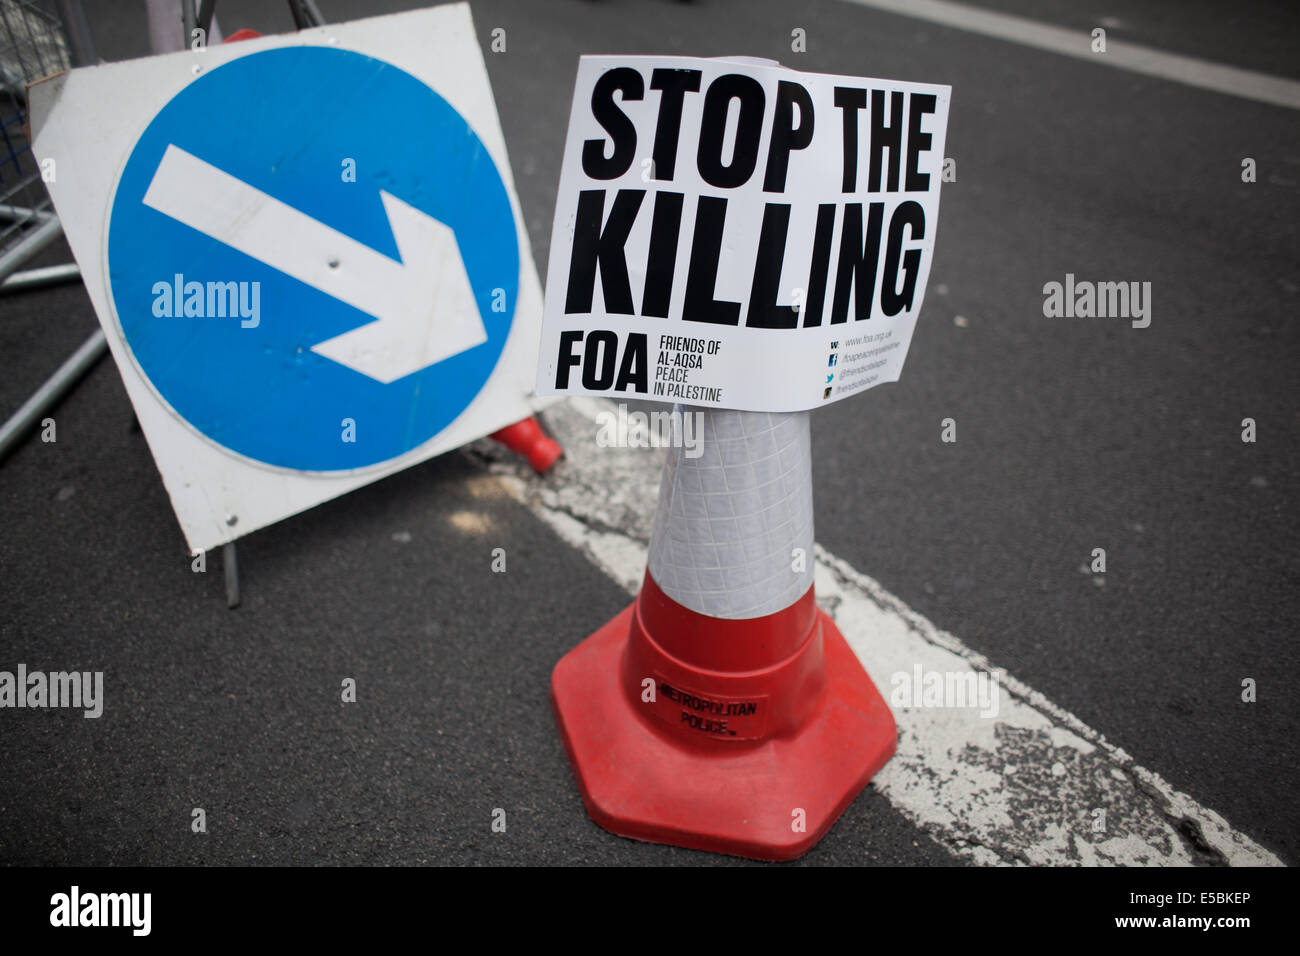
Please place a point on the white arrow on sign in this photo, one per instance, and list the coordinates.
(424, 306)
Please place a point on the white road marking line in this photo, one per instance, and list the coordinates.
(1262, 87)
(1017, 788)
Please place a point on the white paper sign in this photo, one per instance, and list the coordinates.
(730, 233)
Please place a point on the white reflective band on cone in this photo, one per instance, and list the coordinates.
(729, 521)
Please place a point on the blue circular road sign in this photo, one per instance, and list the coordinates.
(225, 335)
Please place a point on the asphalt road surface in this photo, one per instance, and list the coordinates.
(1072, 434)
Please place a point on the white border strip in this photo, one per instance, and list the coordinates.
(1261, 87)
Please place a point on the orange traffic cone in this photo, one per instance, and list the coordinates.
(723, 710)
(527, 438)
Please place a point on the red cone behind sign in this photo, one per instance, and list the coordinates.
(527, 438)
(723, 710)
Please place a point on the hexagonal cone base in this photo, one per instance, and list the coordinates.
(738, 798)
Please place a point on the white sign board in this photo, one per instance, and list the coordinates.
(307, 254)
(730, 233)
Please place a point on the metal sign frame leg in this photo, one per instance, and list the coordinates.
(81, 52)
